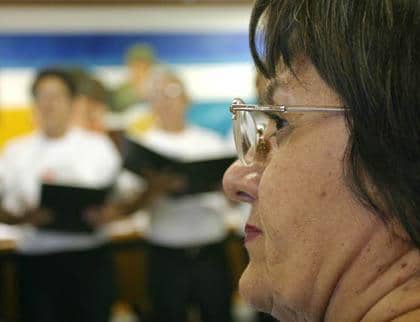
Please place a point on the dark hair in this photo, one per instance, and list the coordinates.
(88, 86)
(56, 73)
(368, 51)
(94, 89)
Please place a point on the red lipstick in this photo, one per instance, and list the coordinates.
(251, 232)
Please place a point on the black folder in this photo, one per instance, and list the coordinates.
(68, 205)
(201, 176)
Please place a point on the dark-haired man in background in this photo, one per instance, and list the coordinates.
(62, 276)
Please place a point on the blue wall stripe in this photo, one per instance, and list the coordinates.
(214, 115)
(104, 49)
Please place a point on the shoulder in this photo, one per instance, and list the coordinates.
(89, 137)
(92, 141)
(210, 139)
(204, 133)
(21, 144)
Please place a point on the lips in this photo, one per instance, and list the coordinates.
(251, 232)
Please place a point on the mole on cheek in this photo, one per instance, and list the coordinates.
(323, 194)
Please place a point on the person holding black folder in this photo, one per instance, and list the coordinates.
(187, 264)
(50, 178)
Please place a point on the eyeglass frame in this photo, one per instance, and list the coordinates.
(238, 105)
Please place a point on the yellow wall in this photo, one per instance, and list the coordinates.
(14, 122)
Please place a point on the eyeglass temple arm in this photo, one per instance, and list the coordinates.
(283, 108)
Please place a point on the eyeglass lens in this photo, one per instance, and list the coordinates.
(246, 128)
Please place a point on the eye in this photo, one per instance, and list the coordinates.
(278, 121)
(279, 128)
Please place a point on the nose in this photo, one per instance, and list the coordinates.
(241, 182)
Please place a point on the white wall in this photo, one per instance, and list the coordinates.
(124, 18)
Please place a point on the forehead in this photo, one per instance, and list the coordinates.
(282, 81)
(51, 82)
(302, 87)
(286, 77)
(283, 78)
(50, 86)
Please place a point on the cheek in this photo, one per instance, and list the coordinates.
(301, 184)
(310, 220)
(301, 198)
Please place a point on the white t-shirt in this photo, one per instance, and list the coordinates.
(78, 158)
(1, 176)
(191, 220)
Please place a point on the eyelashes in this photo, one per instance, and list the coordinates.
(280, 123)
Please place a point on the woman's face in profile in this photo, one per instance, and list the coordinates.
(309, 221)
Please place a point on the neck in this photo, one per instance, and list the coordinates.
(56, 133)
(172, 125)
(380, 282)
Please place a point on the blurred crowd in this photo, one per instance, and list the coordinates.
(65, 269)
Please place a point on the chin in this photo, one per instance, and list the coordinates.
(254, 289)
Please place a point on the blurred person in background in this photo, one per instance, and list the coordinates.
(139, 59)
(62, 276)
(91, 102)
(187, 263)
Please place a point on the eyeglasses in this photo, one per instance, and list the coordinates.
(255, 125)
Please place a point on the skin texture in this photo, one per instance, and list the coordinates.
(321, 255)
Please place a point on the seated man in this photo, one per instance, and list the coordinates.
(63, 276)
